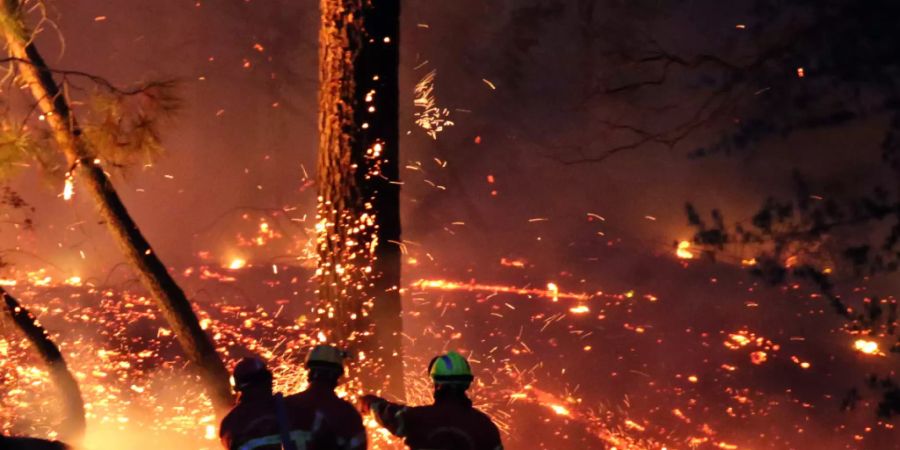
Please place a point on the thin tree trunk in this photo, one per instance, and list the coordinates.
(65, 130)
(72, 429)
(358, 183)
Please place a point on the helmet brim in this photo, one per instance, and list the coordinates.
(452, 379)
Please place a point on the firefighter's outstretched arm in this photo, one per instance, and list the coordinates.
(389, 415)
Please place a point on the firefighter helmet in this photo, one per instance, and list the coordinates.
(326, 356)
(248, 371)
(450, 368)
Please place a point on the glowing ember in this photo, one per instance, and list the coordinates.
(682, 251)
(758, 357)
(553, 289)
(237, 263)
(517, 263)
(559, 410)
(867, 347)
(580, 309)
(69, 187)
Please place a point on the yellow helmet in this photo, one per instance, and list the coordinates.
(325, 356)
(450, 368)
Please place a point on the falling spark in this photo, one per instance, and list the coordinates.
(430, 117)
(634, 425)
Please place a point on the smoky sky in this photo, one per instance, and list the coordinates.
(518, 77)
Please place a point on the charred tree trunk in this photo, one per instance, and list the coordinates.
(358, 183)
(73, 404)
(155, 277)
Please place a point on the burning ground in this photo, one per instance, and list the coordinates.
(563, 361)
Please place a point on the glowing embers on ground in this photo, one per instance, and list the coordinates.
(130, 371)
(139, 395)
(599, 425)
(761, 346)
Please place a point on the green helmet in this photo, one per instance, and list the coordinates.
(451, 368)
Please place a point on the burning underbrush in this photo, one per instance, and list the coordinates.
(559, 365)
(129, 366)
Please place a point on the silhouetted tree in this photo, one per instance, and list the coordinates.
(80, 147)
(358, 184)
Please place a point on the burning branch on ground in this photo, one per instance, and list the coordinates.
(73, 404)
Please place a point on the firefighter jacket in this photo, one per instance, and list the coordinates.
(317, 420)
(451, 423)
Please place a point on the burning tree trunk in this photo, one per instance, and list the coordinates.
(68, 135)
(359, 194)
(73, 404)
